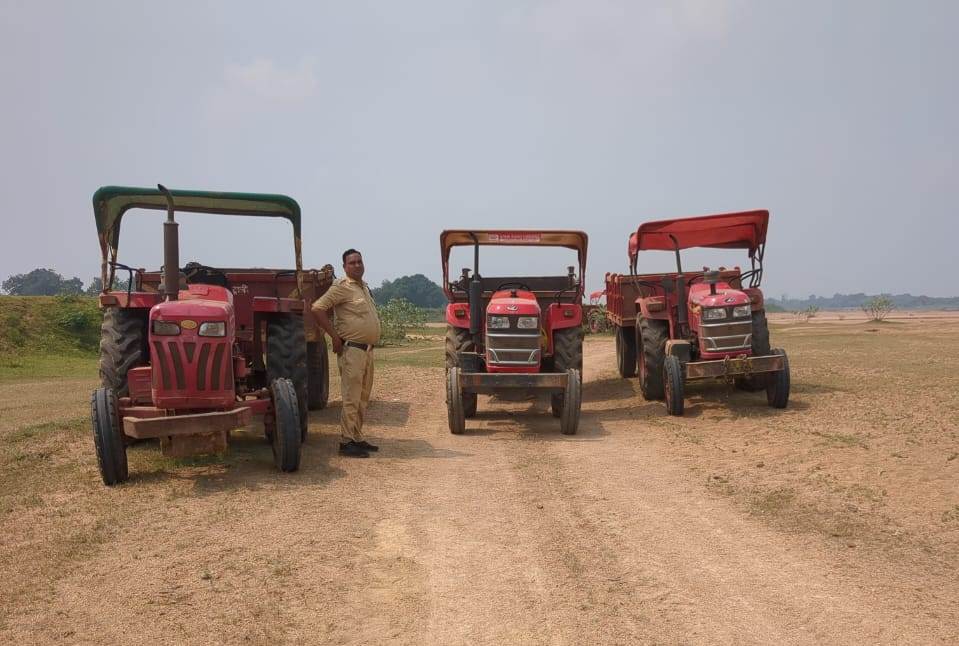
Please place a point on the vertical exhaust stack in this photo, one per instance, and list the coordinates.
(476, 293)
(171, 249)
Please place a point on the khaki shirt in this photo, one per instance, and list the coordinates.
(354, 312)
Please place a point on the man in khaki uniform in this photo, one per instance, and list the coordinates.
(353, 332)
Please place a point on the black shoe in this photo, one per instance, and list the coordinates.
(367, 446)
(353, 450)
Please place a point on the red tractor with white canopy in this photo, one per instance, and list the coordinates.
(514, 333)
(686, 325)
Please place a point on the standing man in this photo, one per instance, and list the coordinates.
(354, 330)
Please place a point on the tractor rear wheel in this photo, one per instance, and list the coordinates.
(286, 436)
(286, 359)
(760, 348)
(108, 437)
(777, 383)
(460, 340)
(318, 374)
(454, 402)
(567, 354)
(673, 385)
(653, 335)
(626, 351)
(123, 345)
(572, 402)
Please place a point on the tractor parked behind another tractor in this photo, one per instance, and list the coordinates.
(188, 355)
(684, 325)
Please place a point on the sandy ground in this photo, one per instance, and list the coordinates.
(828, 522)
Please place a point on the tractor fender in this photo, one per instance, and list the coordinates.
(563, 315)
(680, 349)
(653, 307)
(458, 315)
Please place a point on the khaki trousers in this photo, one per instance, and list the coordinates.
(356, 382)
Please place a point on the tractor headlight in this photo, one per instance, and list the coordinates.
(498, 322)
(213, 328)
(528, 323)
(165, 328)
(741, 311)
(714, 314)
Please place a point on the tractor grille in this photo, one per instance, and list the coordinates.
(181, 367)
(726, 337)
(513, 348)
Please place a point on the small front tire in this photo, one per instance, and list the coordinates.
(572, 402)
(777, 383)
(673, 383)
(287, 434)
(108, 437)
(454, 402)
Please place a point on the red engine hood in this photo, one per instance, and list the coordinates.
(502, 303)
(725, 296)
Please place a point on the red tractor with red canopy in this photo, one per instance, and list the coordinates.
(514, 333)
(687, 325)
(187, 355)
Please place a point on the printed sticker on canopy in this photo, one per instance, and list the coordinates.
(515, 237)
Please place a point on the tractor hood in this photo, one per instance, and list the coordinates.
(503, 303)
(725, 296)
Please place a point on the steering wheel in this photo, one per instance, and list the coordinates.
(558, 296)
(518, 284)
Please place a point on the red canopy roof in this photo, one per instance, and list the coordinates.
(745, 230)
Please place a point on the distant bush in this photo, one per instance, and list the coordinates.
(878, 307)
(417, 289)
(397, 317)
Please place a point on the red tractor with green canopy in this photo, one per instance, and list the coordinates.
(189, 354)
(514, 333)
(687, 325)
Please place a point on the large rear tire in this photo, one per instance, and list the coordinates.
(626, 351)
(777, 383)
(567, 354)
(760, 348)
(286, 436)
(653, 335)
(454, 402)
(572, 402)
(108, 437)
(286, 359)
(123, 345)
(318, 374)
(460, 340)
(674, 386)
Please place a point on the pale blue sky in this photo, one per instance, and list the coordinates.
(391, 121)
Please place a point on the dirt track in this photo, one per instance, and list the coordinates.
(630, 532)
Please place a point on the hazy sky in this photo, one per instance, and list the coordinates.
(390, 121)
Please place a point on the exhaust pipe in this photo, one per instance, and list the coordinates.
(476, 292)
(171, 249)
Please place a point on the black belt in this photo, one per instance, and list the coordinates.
(353, 344)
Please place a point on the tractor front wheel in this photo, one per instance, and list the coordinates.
(460, 340)
(626, 351)
(572, 401)
(454, 402)
(286, 358)
(567, 355)
(673, 383)
(286, 436)
(108, 437)
(760, 348)
(652, 355)
(777, 383)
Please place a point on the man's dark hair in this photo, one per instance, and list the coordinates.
(348, 252)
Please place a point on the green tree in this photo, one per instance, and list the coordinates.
(41, 282)
(397, 317)
(417, 289)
